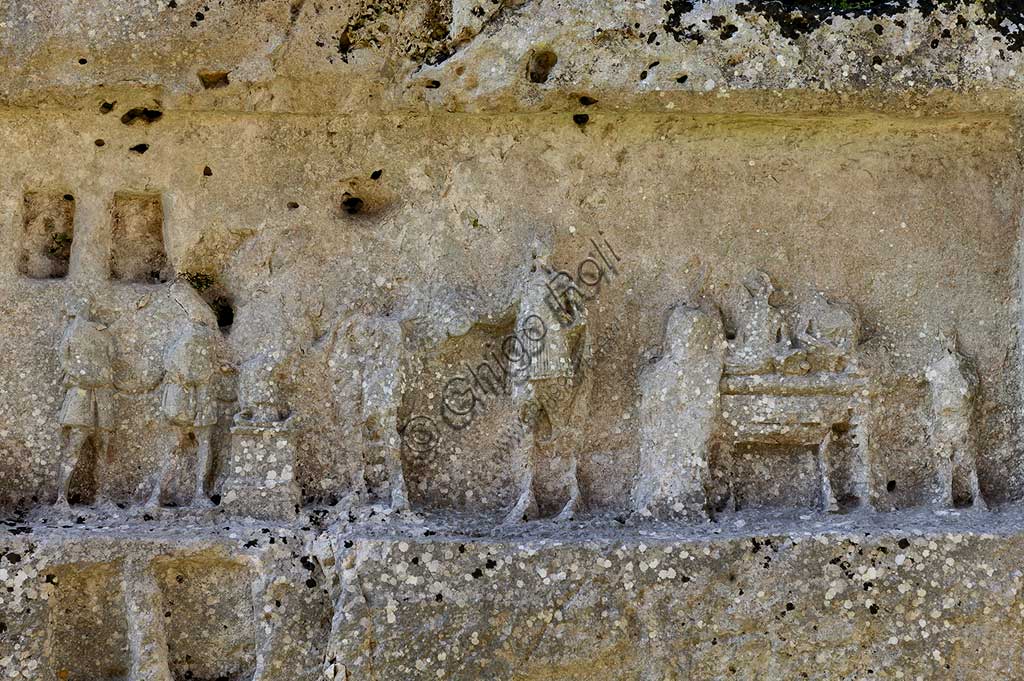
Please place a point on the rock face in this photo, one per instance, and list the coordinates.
(521, 339)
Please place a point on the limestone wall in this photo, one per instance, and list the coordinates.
(381, 339)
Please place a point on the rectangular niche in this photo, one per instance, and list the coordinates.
(88, 632)
(47, 231)
(137, 239)
(776, 477)
(209, 617)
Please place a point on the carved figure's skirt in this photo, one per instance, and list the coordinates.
(188, 406)
(87, 408)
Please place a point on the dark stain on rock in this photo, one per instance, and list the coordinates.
(796, 19)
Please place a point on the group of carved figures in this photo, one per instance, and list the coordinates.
(763, 388)
(771, 387)
(260, 471)
(86, 416)
(708, 396)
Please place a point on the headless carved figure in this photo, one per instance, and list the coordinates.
(953, 391)
(550, 385)
(188, 405)
(86, 355)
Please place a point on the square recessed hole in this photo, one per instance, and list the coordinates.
(208, 617)
(47, 231)
(137, 245)
(88, 629)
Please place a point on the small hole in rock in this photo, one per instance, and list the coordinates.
(587, 101)
(83, 61)
(292, 205)
(107, 107)
(541, 63)
(375, 175)
(580, 119)
(100, 143)
(890, 486)
(142, 114)
(433, 84)
(225, 313)
(682, 79)
(207, 172)
(351, 204)
(139, 148)
(212, 80)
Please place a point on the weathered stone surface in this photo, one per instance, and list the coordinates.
(519, 339)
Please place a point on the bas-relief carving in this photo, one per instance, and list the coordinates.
(784, 383)
(188, 405)
(770, 389)
(367, 381)
(714, 408)
(86, 416)
(953, 388)
(550, 385)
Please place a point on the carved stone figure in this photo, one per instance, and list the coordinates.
(762, 338)
(953, 386)
(86, 355)
(368, 382)
(783, 393)
(189, 406)
(550, 383)
(260, 394)
(679, 410)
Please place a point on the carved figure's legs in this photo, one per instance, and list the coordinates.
(964, 478)
(944, 454)
(828, 497)
(565, 403)
(391, 443)
(163, 477)
(860, 466)
(718, 486)
(522, 451)
(572, 480)
(358, 490)
(396, 476)
(76, 441)
(204, 462)
(380, 430)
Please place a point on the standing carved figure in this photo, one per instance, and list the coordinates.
(368, 367)
(681, 402)
(550, 382)
(188, 405)
(86, 416)
(953, 386)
